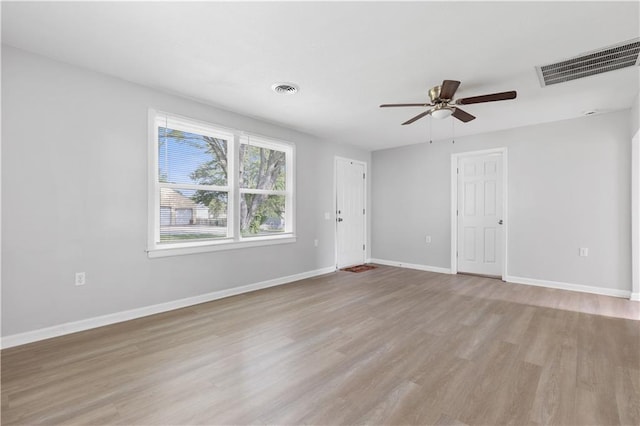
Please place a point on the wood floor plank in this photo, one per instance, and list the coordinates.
(628, 395)
(556, 391)
(386, 346)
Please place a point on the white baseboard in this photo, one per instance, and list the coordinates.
(568, 286)
(89, 323)
(411, 266)
(521, 280)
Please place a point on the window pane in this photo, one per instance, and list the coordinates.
(185, 157)
(262, 168)
(261, 214)
(187, 214)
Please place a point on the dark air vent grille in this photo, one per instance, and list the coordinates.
(607, 59)
(285, 88)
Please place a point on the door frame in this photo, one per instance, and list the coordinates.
(335, 207)
(454, 204)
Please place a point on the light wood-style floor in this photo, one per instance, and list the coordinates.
(387, 346)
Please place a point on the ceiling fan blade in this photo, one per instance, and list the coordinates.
(462, 115)
(404, 105)
(417, 117)
(448, 89)
(502, 96)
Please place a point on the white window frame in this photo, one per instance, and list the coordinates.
(234, 138)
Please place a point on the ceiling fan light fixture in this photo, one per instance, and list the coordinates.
(441, 113)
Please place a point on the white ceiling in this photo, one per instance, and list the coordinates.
(347, 58)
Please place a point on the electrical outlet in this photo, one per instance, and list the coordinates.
(584, 252)
(81, 278)
(315, 243)
(427, 239)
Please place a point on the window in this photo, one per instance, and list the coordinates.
(213, 188)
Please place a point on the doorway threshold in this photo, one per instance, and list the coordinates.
(493, 277)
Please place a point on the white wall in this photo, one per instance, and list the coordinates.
(634, 115)
(74, 197)
(635, 197)
(569, 186)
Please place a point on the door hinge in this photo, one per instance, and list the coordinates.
(457, 214)
(457, 170)
(363, 176)
(363, 211)
(363, 247)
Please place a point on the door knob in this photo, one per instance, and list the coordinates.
(500, 222)
(339, 219)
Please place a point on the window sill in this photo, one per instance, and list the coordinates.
(172, 250)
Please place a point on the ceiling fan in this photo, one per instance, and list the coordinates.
(444, 105)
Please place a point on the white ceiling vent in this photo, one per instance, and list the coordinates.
(284, 88)
(609, 58)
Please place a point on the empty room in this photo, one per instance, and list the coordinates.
(326, 213)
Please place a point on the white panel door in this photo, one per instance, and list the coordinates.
(350, 213)
(480, 210)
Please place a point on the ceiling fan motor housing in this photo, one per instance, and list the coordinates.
(434, 94)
